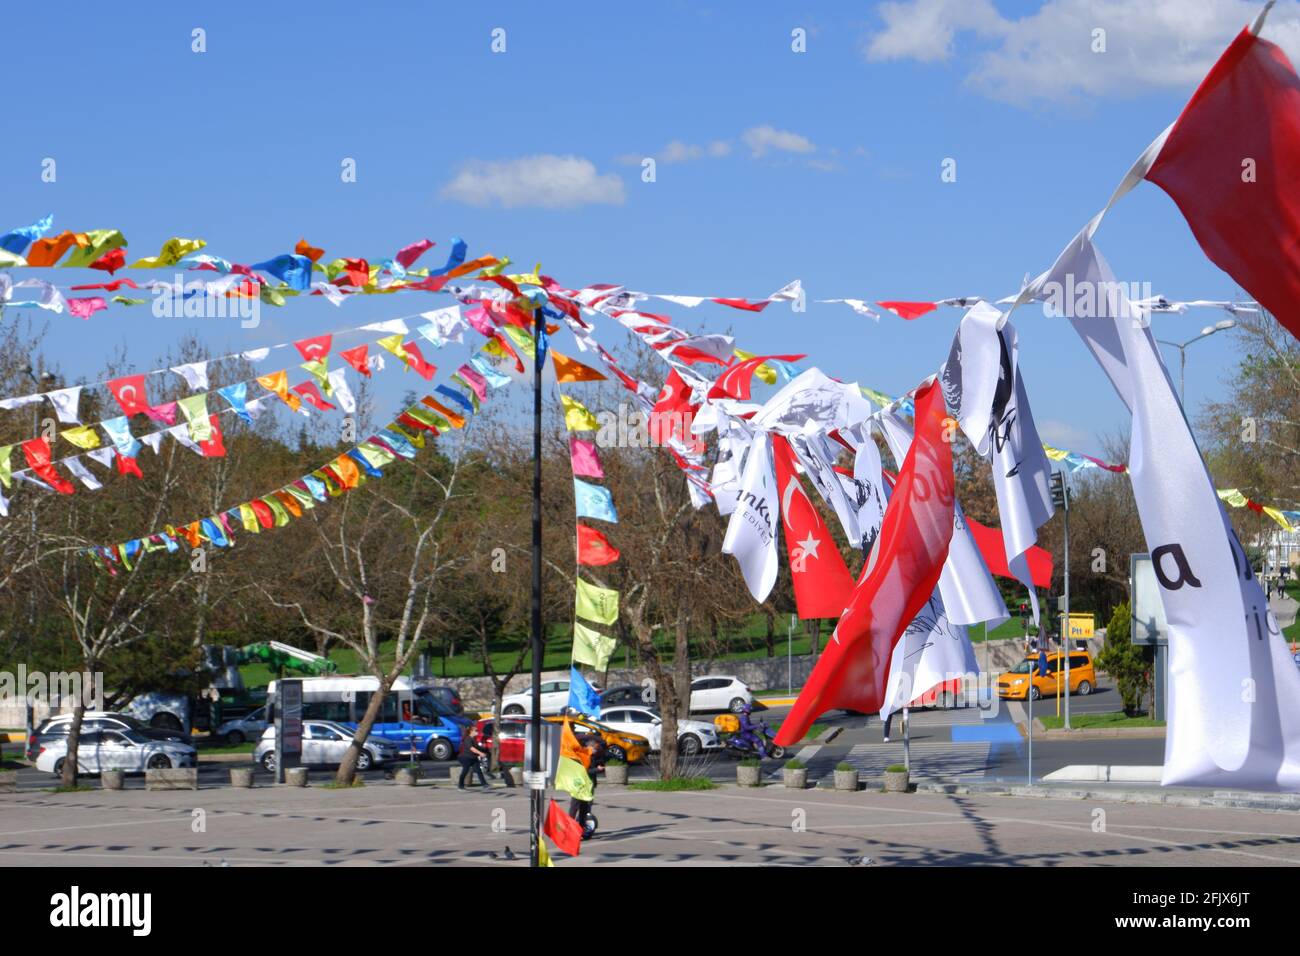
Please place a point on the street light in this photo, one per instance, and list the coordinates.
(1182, 349)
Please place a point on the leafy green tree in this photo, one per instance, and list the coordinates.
(1129, 664)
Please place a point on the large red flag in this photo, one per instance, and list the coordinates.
(1230, 162)
(822, 583)
(673, 411)
(993, 550)
(913, 546)
(564, 831)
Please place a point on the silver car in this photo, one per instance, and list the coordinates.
(100, 750)
(248, 727)
(323, 745)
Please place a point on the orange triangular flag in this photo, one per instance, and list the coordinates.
(571, 748)
(570, 370)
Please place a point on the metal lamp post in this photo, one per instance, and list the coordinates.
(1182, 349)
(537, 794)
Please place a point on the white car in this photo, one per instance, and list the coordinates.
(719, 692)
(249, 727)
(324, 743)
(100, 750)
(555, 698)
(693, 736)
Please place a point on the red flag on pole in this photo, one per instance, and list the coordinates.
(822, 583)
(1230, 164)
(594, 550)
(913, 546)
(564, 831)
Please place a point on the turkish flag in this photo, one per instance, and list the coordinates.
(1230, 163)
(593, 548)
(313, 397)
(564, 831)
(673, 411)
(130, 394)
(314, 348)
(909, 310)
(735, 381)
(126, 465)
(37, 453)
(913, 546)
(356, 357)
(214, 447)
(822, 583)
(416, 361)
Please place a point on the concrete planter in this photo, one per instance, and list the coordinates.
(453, 773)
(9, 781)
(846, 780)
(616, 774)
(896, 782)
(174, 778)
(296, 777)
(241, 777)
(748, 776)
(795, 779)
(406, 776)
(112, 779)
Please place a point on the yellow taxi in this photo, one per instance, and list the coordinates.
(631, 748)
(1024, 680)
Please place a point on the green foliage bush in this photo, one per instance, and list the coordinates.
(1128, 664)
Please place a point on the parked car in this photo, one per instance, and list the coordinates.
(1024, 679)
(100, 750)
(324, 743)
(512, 732)
(632, 748)
(235, 732)
(719, 692)
(632, 694)
(693, 736)
(555, 697)
(96, 720)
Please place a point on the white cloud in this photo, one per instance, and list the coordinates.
(761, 139)
(679, 152)
(1064, 435)
(1049, 56)
(546, 180)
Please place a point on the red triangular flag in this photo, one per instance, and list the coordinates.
(735, 381)
(823, 586)
(37, 453)
(564, 831)
(311, 393)
(126, 465)
(594, 550)
(130, 394)
(314, 348)
(1230, 164)
(356, 357)
(214, 447)
(913, 545)
(909, 310)
(416, 361)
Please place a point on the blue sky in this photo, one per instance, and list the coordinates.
(822, 165)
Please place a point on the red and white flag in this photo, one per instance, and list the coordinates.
(822, 583)
(913, 546)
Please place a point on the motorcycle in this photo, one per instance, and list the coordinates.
(755, 742)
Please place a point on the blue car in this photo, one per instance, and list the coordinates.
(419, 725)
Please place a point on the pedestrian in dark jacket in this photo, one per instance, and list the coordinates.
(470, 752)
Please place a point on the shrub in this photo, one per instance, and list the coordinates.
(793, 764)
(1127, 663)
(751, 762)
(896, 768)
(845, 765)
(616, 763)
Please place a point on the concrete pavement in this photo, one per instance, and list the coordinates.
(385, 825)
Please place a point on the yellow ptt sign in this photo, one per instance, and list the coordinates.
(1081, 627)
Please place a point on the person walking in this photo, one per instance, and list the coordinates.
(470, 752)
(580, 809)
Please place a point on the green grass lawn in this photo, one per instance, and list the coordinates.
(245, 748)
(674, 784)
(1114, 719)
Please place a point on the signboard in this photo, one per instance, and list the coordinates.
(288, 725)
(1147, 623)
(1081, 626)
(535, 781)
(550, 749)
